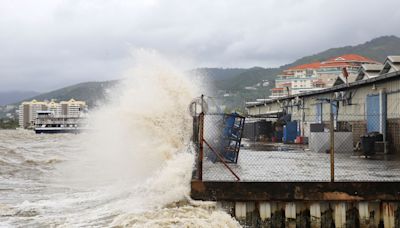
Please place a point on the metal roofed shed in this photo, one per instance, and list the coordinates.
(370, 81)
(364, 106)
(394, 58)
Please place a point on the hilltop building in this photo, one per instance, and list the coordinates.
(319, 75)
(28, 110)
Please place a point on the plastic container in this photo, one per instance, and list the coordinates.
(368, 142)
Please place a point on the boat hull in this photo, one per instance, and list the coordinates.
(57, 130)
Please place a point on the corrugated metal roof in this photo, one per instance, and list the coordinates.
(372, 67)
(394, 58)
(391, 64)
(388, 76)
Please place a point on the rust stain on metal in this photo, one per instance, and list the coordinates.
(297, 191)
(222, 160)
(340, 196)
(198, 186)
(201, 147)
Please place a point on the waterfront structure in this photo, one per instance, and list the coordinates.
(277, 185)
(359, 107)
(28, 110)
(318, 75)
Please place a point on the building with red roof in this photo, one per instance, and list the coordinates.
(351, 58)
(319, 75)
(308, 66)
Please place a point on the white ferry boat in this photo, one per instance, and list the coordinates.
(46, 122)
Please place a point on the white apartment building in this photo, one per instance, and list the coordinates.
(53, 107)
(28, 110)
(71, 108)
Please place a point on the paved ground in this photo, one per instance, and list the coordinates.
(277, 162)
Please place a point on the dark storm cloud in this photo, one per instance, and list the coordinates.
(52, 43)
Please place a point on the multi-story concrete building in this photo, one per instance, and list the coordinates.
(53, 107)
(318, 75)
(71, 108)
(28, 110)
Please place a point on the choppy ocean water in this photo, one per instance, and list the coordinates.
(37, 189)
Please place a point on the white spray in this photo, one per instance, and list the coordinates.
(137, 163)
(143, 138)
(147, 122)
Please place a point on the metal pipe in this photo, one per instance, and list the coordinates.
(201, 147)
(332, 142)
(383, 117)
(222, 160)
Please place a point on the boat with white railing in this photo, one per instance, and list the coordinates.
(47, 122)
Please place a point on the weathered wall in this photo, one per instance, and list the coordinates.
(393, 135)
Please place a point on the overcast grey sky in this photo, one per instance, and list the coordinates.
(48, 44)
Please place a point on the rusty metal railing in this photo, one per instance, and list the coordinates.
(200, 157)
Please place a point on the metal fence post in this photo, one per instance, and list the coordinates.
(201, 146)
(332, 141)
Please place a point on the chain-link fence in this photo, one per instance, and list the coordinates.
(333, 143)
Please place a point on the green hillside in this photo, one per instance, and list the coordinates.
(249, 85)
(249, 77)
(376, 49)
(91, 92)
(216, 74)
(9, 97)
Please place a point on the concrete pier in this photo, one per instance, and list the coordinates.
(290, 215)
(275, 204)
(323, 214)
(315, 215)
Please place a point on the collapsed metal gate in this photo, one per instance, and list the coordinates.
(217, 137)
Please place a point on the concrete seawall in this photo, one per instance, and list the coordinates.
(314, 214)
(306, 204)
